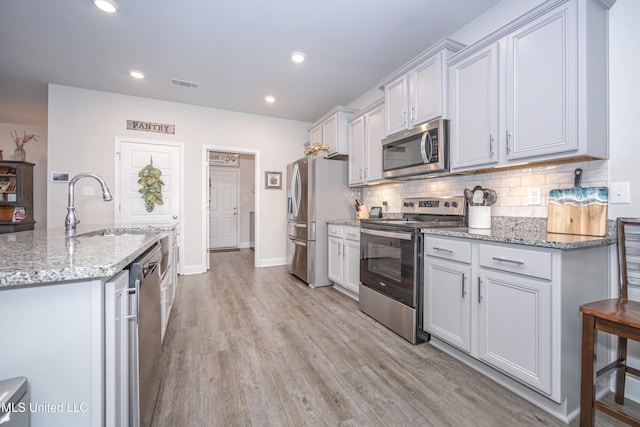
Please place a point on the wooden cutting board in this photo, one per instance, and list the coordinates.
(578, 210)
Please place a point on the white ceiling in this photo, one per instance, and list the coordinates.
(236, 50)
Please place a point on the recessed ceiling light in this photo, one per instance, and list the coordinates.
(297, 57)
(107, 6)
(270, 99)
(136, 74)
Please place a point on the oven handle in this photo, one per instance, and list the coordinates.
(391, 234)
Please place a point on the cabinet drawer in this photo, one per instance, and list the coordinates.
(515, 260)
(351, 233)
(456, 250)
(336, 230)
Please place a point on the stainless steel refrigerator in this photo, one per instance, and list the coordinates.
(317, 192)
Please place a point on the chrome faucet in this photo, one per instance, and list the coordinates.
(72, 220)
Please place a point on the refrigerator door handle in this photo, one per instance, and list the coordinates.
(289, 205)
(297, 189)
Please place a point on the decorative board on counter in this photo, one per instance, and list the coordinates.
(578, 210)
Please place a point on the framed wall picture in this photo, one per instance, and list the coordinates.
(273, 180)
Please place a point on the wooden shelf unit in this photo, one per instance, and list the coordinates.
(16, 190)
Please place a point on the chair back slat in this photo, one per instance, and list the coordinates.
(628, 253)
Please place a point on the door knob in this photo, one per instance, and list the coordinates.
(175, 217)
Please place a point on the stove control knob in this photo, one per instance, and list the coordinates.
(411, 204)
(446, 204)
(454, 204)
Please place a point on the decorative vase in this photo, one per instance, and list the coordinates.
(19, 154)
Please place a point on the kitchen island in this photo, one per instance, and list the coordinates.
(55, 314)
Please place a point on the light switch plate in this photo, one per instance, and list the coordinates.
(87, 191)
(620, 192)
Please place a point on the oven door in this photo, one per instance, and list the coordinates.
(389, 264)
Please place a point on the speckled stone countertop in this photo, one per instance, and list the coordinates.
(516, 230)
(42, 257)
(527, 231)
(351, 222)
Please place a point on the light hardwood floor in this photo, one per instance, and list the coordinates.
(257, 347)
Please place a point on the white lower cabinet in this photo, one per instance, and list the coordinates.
(344, 257)
(447, 295)
(512, 312)
(117, 311)
(169, 281)
(514, 326)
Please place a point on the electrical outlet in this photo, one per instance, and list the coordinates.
(534, 196)
(87, 191)
(619, 192)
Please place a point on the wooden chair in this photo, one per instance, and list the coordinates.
(619, 316)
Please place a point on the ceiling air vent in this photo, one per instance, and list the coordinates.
(184, 83)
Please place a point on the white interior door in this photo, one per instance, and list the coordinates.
(133, 157)
(223, 208)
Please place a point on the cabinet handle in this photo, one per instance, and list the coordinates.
(351, 234)
(412, 114)
(366, 172)
(360, 172)
(508, 142)
(448, 251)
(339, 246)
(508, 260)
(491, 145)
(479, 291)
(463, 292)
(404, 117)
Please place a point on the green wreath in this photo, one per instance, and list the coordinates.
(151, 183)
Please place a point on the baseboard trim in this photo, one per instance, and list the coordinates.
(271, 262)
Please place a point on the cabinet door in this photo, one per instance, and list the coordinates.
(425, 92)
(447, 302)
(373, 149)
(330, 133)
(514, 326)
(396, 100)
(474, 110)
(117, 350)
(335, 261)
(542, 86)
(315, 135)
(357, 153)
(352, 265)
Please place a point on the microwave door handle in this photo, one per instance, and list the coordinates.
(423, 151)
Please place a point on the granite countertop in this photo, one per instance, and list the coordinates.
(524, 237)
(351, 222)
(42, 257)
(517, 230)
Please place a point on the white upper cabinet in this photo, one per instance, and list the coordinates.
(474, 109)
(535, 90)
(331, 130)
(366, 130)
(418, 91)
(541, 86)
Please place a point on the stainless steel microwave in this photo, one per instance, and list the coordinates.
(419, 151)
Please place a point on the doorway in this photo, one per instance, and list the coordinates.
(133, 154)
(223, 207)
(231, 202)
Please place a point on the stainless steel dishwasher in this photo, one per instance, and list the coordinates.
(146, 345)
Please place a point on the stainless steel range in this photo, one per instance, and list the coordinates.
(391, 262)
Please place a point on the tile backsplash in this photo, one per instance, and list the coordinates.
(512, 187)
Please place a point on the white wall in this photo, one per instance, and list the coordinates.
(246, 197)
(624, 95)
(84, 123)
(36, 153)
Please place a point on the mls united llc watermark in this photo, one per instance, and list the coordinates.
(67, 407)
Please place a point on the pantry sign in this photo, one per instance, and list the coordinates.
(151, 127)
